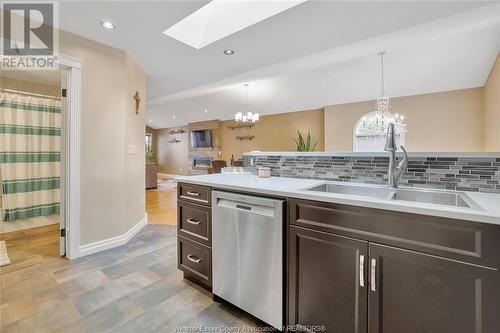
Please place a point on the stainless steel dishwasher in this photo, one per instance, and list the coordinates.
(247, 254)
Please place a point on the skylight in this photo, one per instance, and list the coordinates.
(221, 18)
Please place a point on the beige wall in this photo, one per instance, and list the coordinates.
(492, 109)
(112, 182)
(172, 158)
(273, 133)
(445, 121)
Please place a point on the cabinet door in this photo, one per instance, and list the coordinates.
(412, 292)
(327, 281)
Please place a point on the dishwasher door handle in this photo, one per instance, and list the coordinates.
(239, 206)
(265, 209)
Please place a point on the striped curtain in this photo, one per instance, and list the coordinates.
(30, 145)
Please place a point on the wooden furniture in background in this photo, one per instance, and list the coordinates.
(238, 163)
(218, 165)
(151, 176)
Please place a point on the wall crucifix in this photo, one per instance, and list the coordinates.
(137, 100)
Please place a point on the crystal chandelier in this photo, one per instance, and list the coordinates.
(246, 116)
(375, 123)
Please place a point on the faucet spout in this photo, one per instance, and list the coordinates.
(390, 140)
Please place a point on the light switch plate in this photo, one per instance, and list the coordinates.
(131, 149)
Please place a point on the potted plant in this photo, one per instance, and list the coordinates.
(305, 144)
(150, 155)
(151, 168)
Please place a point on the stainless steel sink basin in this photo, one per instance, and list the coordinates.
(435, 197)
(454, 199)
(365, 191)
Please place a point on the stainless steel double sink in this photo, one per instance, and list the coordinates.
(453, 199)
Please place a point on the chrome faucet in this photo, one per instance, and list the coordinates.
(395, 172)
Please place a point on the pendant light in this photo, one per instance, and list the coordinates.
(246, 116)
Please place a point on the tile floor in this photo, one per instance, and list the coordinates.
(133, 288)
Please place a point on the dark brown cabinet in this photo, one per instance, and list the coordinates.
(196, 261)
(328, 285)
(194, 230)
(194, 222)
(413, 292)
(358, 270)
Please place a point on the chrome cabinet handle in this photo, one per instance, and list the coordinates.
(373, 274)
(362, 270)
(193, 221)
(196, 194)
(194, 259)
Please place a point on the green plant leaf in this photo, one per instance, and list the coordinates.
(308, 144)
(305, 144)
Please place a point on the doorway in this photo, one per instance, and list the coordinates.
(31, 146)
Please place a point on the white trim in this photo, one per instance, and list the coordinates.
(68, 61)
(112, 242)
(72, 169)
(63, 241)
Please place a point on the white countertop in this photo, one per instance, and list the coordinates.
(295, 188)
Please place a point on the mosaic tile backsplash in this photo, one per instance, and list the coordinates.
(477, 174)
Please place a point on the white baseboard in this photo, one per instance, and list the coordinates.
(112, 242)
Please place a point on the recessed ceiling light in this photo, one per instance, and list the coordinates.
(206, 110)
(107, 25)
(228, 52)
(173, 117)
(210, 23)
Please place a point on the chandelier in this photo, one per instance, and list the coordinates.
(376, 122)
(246, 116)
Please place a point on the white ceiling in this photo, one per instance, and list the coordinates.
(315, 54)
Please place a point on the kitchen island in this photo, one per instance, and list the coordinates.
(356, 263)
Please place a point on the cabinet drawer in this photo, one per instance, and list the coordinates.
(467, 241)
(194, 193)
(194, 222)
(195, 260)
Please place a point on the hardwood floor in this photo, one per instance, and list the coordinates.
(133, 288)
(161, 203)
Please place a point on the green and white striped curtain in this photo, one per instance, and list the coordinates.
(30, 145)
